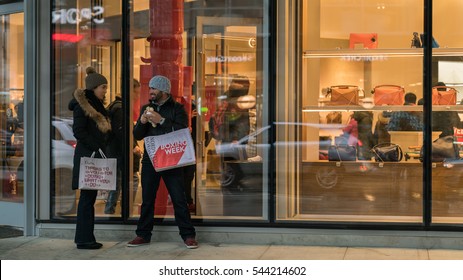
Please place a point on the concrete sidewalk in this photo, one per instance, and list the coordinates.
(41, 248)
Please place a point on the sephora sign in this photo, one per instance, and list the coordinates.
(74, 15)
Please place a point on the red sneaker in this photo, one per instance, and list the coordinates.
(138, 241)
(191, 243)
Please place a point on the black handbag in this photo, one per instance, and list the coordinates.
(342, 153)
(387, 152)
(443, 148)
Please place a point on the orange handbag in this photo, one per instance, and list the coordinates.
(363, 40)
(389, 95)
(442, 95)
(344, 95)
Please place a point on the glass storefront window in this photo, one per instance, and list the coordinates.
(349, 49)
(354, 81)
(215, 54)
(84, 33)
(11, 107)
(446, 116)
(221, 60)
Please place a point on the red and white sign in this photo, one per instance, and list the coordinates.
(458, 134)
(171, 150)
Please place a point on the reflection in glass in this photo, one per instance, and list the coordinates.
(83, 34)
(202, 49)
(220, 44)
(340, 178)
(11, 107)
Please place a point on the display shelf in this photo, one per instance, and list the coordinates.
(378, 53)
(353, 108)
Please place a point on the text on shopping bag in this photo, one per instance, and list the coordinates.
(171, 150)
(97, 173)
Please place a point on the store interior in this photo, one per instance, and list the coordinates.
(345, 45)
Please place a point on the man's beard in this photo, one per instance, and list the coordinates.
(156, 98)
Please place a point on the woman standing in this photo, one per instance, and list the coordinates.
(91, 128)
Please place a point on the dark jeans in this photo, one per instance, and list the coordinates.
(113, 196)
(188, 180)
(85, 217)
(150, 184)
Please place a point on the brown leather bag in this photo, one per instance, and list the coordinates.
(389, 95)
(344, 95)
(442, 95)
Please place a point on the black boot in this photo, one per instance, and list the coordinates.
(90, 246)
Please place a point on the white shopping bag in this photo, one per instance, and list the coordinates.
(97, 173)
(171, 150)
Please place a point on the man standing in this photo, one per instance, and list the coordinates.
(406, 120)
(116, 147)
(162, 115)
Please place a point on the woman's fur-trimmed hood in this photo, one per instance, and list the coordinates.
(102, 122)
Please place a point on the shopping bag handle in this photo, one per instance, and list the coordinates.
(101, 154)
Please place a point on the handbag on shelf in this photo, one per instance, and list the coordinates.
(334, 117)
(434, 43)
(342, 153)
(389, 95)
(363, 40)
(387, 152)
(443, 95)
(443, 148)
(344, 95)
(171, 150)
(97, 173)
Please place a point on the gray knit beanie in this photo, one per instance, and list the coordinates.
(93, 79)
(161, 83)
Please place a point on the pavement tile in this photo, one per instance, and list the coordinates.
(276, 252)
(385, 254)
(40, 248)
(153, 251)
(72, 253)
(8, 244)
(211, 251)
(436, 254)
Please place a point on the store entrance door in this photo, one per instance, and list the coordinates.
(228, 49)
(11, 114)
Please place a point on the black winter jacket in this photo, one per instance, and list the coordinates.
(91, 128)
(116, 147)
(116, 116)
(175, 118)
(236, 123)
